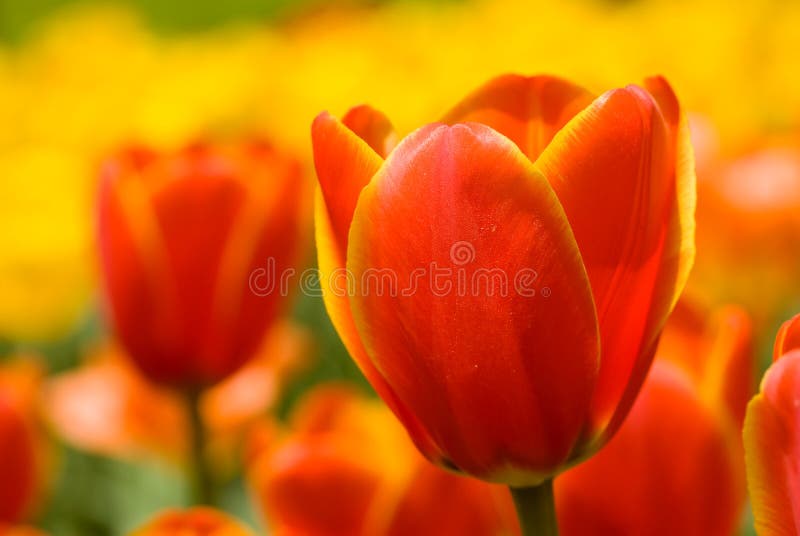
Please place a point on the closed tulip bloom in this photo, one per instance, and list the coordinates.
(181, 238)
(198, 521)
(578, 208)
(675, 466)
(772, 440)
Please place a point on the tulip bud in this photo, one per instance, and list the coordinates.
(192, 246)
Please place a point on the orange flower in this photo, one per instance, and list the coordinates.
(199, 521)
(772, 440)
(531, 188)
(107, 406)
(181, 237)
(675, 465)
(347, 468)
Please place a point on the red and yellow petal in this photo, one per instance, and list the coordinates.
(373, 127)
(527, 110)
(613, 167)
(345, 163)
(500, 380)
(772, 449)
(788, 338)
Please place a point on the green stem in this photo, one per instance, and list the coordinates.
(536, 509)
(199, 470)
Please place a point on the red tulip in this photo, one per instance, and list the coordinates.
(772, 440)
(17, 462)
(346, 468)
(199, 521)
(23, 451)
(675, 466)
(583, 206)
(181, 236)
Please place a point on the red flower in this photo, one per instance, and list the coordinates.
(590, 199)
(346, 468)
(181, 237)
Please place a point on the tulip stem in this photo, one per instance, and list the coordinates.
(199, 471)
(536, 509)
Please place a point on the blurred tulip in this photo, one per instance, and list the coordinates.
(772, 447)
(675, 465)
(108, 407)
(346, 468)
(197, 521)
(21, 444)
(749, 229)
(181, 236)
(592, 198)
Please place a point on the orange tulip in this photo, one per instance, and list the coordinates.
(180, 237)
(198, 521)
(579, 210)
(347, 469)
(675, 466)
(772, 440)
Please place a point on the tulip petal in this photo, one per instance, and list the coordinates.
(527, 110)
(373, 127)
(492, 375)
(772, 449)
(344, 164)
(788, 338)
(614, 169)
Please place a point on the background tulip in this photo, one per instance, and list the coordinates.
(510, 387)
(18, 460)
(346, 468)
(192, 522)
(771, 443)
(180, 236)
(643, 481)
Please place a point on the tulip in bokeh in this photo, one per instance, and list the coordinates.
(772, 440)
(199, 521)
(593, 196)
(675, 466)
(347, 468)
(180, 236)
(21, 450)
(748, 217)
